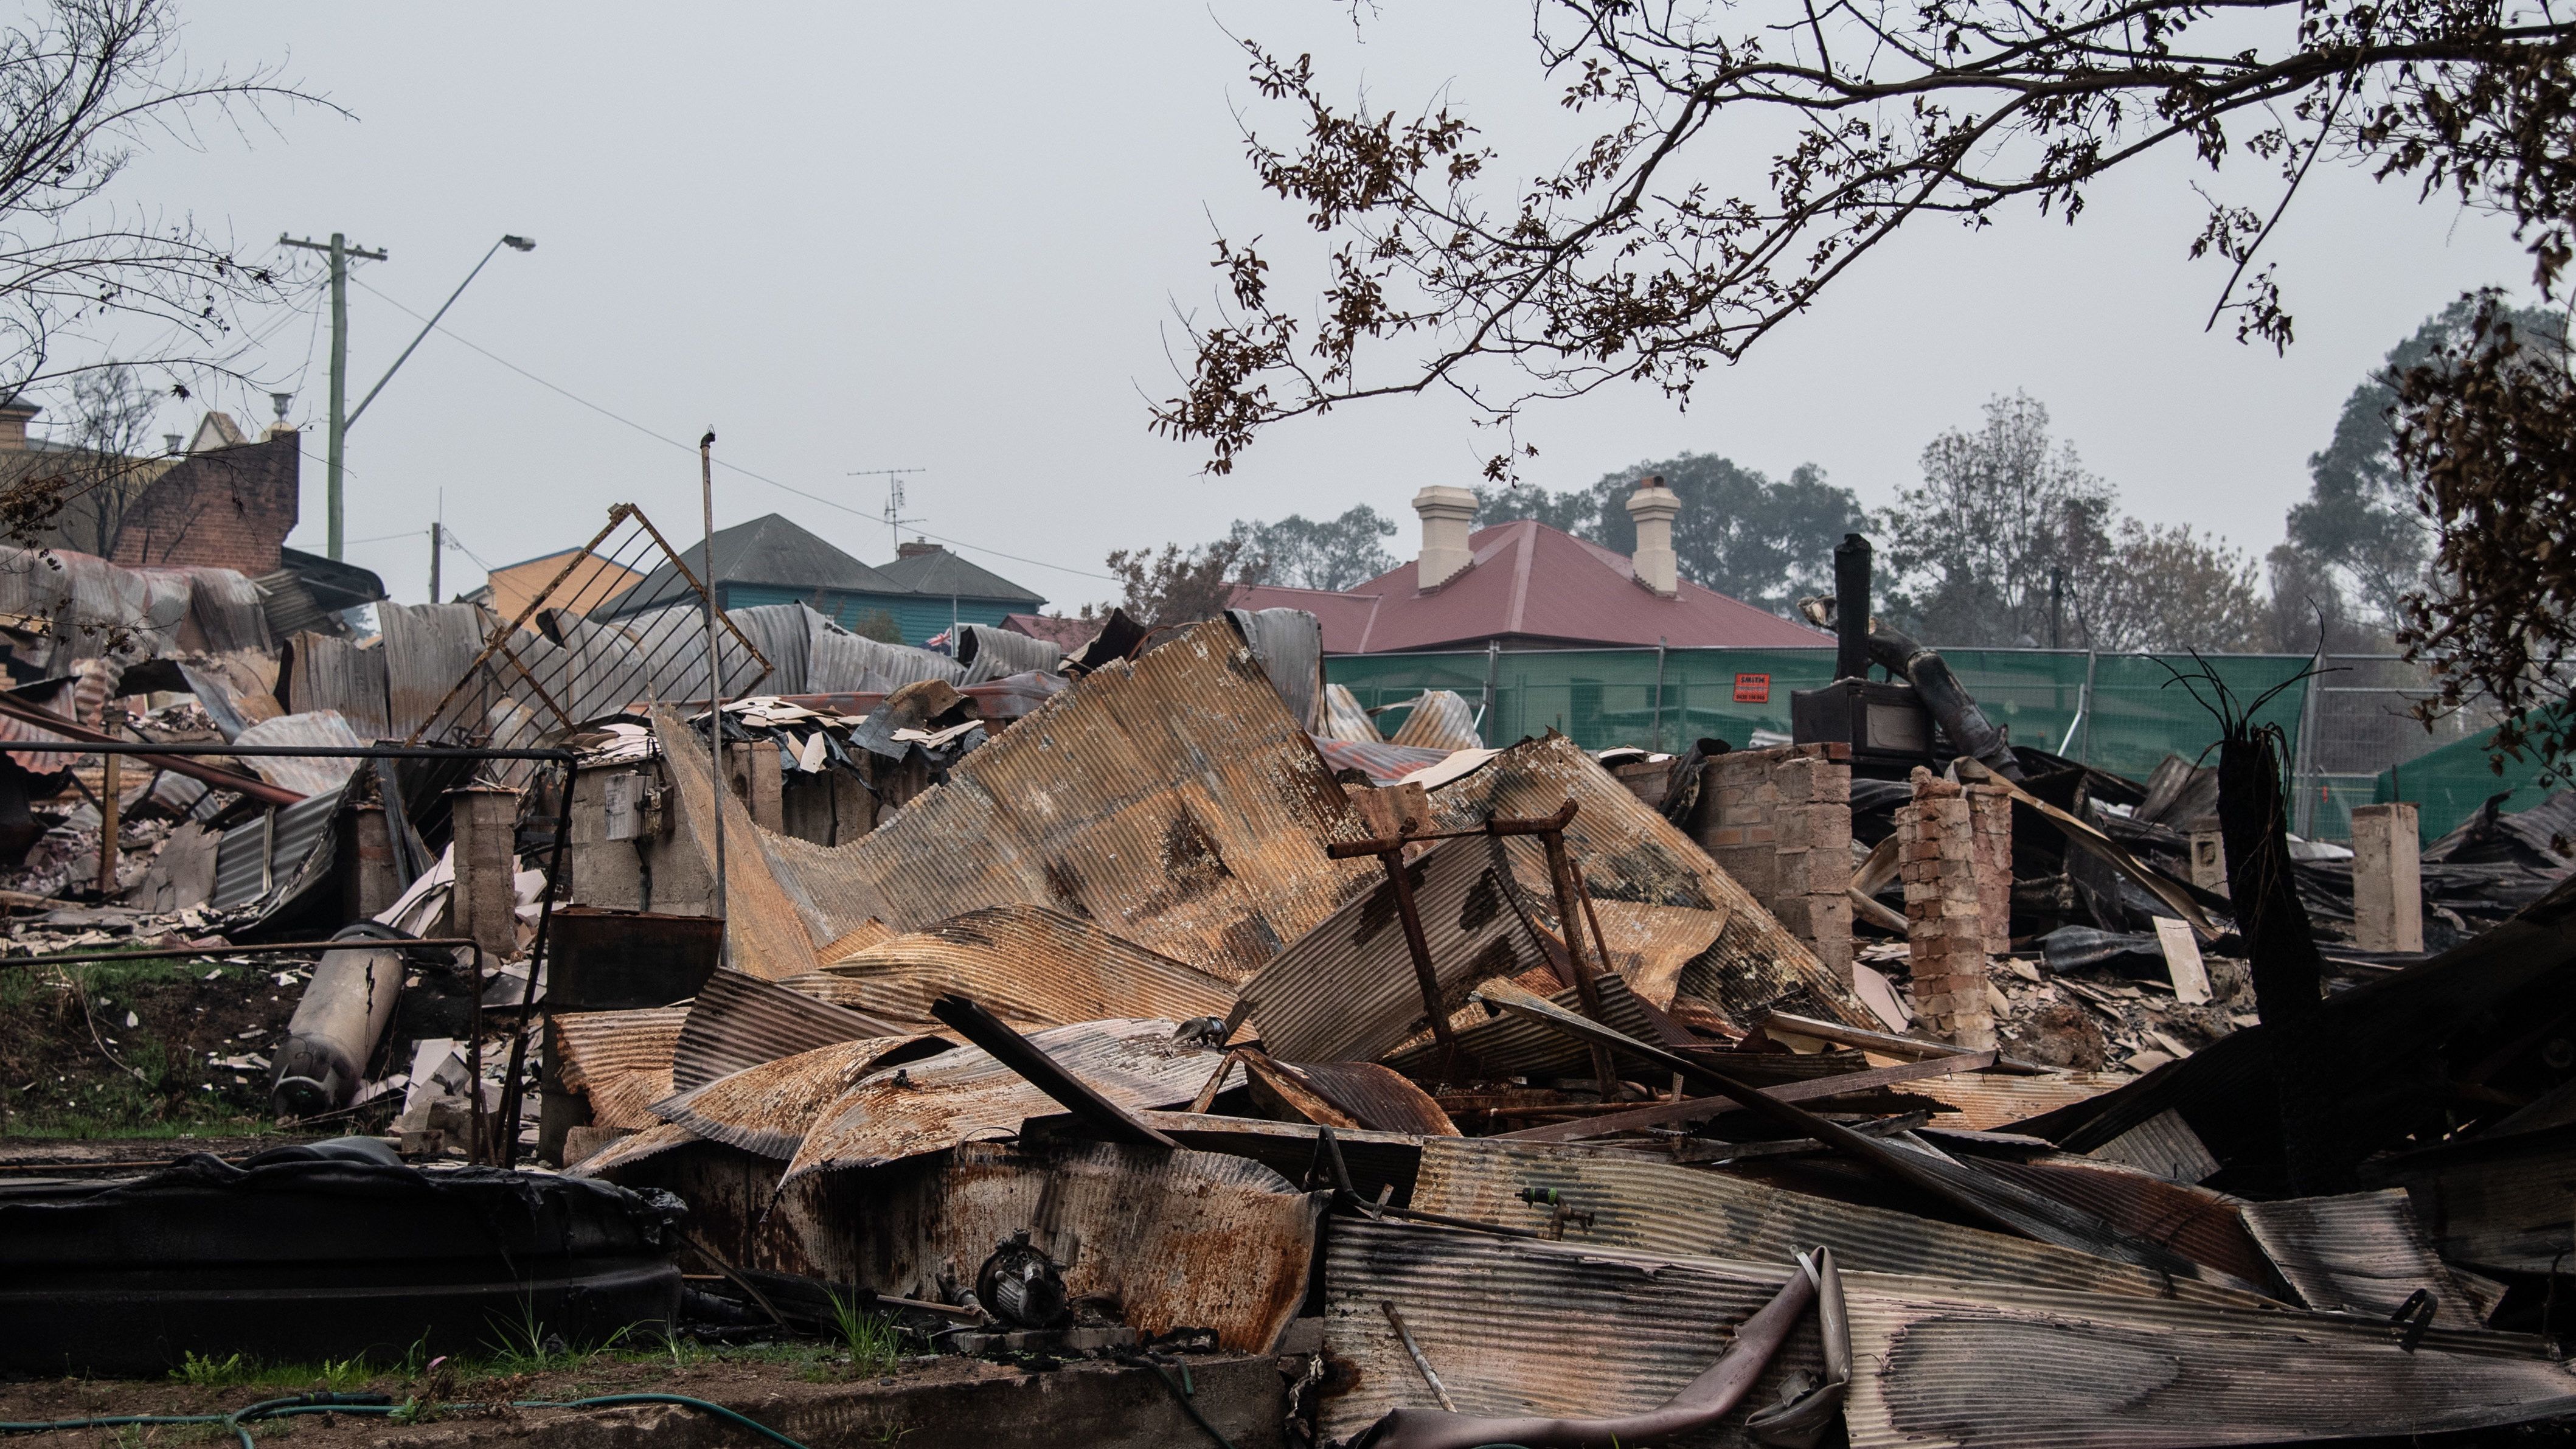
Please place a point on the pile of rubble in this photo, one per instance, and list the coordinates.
(1169, 1011)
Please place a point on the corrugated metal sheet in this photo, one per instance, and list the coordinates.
(593, 1045)
(739, 1021)
(764, 933)
(2164, 1145)
(1376, 1159)
(1372, 1097)
(1383, 764)
(1171, 800)
(428, 648)
(1631, 855)
(2201, 1225)
(344, 676)
(768, 1108)
(267, 855)
(625, 1152)
(1959, 1364)
(620, 1061)
(947, 1099)
(1289, 643)
(1347, 990)
(783, 634)
(323, 729)
(2495, 1203)
(224, 612)
(2361, 1252)
(1515, 1327)
(1986, 1101)
(1029, 965)
(989, 653)
(1440, 719)
(1174, 1239)
(1647, 1203)
(1344, 719)
(91, 604)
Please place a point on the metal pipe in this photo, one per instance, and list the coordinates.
(1851, 607)
(292, 752)
(181, 953)
(719, 787)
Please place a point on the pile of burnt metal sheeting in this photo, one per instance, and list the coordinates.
(1473, 1102)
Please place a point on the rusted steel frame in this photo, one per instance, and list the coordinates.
(555, 882)
(525, 673)
(617, 514)
(1700, 1404)
(72, 732)
(1699, 1109)
(1419, 945)
(1586, 983)
(110, 797)
(708, 589)
(1885, 1044)
(1536, 825)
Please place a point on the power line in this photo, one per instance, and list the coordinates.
(730, 467)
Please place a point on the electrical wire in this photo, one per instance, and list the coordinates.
(721, 463)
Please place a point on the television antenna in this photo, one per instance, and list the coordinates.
(894, 519)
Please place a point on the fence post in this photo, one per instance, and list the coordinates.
(2301, 756)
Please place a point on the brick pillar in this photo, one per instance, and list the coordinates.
(1779, 822)
(1990, 817)
(2387, 879)
(486, 903)
(1944, 921)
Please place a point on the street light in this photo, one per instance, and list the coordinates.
(514, 243)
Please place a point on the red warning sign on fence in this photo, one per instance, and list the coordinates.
(1753, 689)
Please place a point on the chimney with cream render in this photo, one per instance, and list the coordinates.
(1448, 514)
(1654, 506)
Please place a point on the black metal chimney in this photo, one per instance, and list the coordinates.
(1851, 607)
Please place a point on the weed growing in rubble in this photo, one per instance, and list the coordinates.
(529, 1347)
(233, 1370)
(873, 1340)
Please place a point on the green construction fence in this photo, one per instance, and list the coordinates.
(2121, 712)
(2449, 784)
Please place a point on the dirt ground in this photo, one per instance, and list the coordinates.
(119, 1050)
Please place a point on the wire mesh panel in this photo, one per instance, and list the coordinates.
(578, 648)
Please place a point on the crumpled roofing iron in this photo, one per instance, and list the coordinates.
(943, 1100)
(768, 1108)
(1026, 964)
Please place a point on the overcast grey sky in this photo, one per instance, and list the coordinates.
(858, 237)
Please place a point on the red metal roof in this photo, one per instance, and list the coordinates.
(1536, 583)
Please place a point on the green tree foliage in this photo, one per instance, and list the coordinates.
(2358, 542)
(877, 624)
(1739, 532)
(1333, 554)
(2010, 541)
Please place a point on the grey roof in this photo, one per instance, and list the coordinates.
(942, 572)
(769, 550)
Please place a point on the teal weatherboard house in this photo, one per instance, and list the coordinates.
(771, 560)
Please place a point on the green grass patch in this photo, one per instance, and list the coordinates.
(872, 1340)
(205, 1371)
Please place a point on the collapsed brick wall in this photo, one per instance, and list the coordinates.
(1990, 817)
(1939, 843)
(1779, 821)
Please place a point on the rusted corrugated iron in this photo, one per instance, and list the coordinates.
(1515, 1327)
(1986, 1101)
(1172, 800)
(1349, 1094)
(1346, 991)
(619, 1060)
(943, 1100)
(625, 1152)
(2201, 1225)
(1508, 1046)
(1176, 1239)
(768, 1108)
(2361, 1252)
(1973, 1366)
(1030, 966)
(766, 934)
(739, 1021)
(1631, 855)
(1644, 1203)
